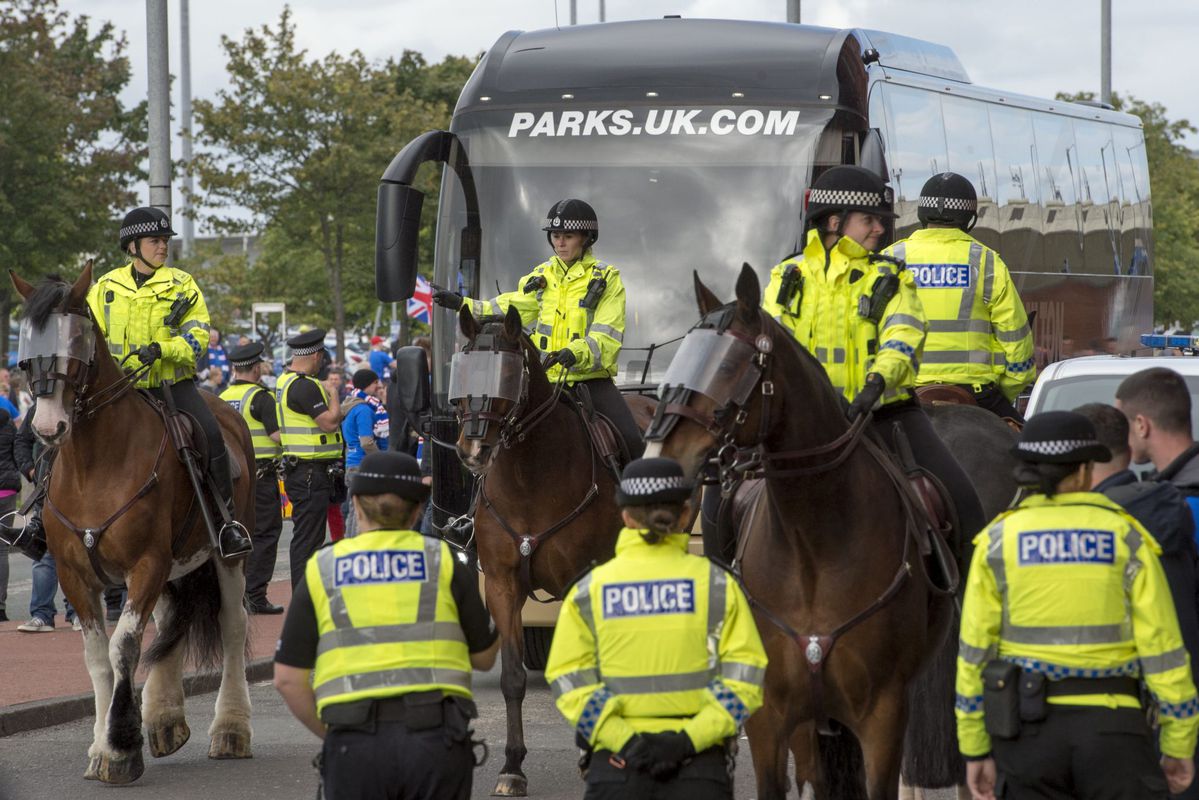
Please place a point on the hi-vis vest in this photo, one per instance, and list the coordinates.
(299, 434)
(555, 317)
(1071, 586)
(387, 619)
(241, 397)
(656, 640)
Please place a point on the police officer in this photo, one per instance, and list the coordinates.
(656, 727)
(978, 333)
(575, 305)
(256, 404)
(858, 313)
(378, 645)
(310, 435)
(157, 314)
(1066, 606)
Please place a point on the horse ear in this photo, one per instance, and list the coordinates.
(78, 295)
(703, 296)
(467, 323)
(512, 323)
(23, 287)
(749, 293)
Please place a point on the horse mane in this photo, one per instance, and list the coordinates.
(46, 299)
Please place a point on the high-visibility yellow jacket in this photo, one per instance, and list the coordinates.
(656, 640)
(978, 333)
(1071, 586)
(555, 318)
(240, 396)
(132, 317)
(826, 315)
(387, 619)
(299, 435)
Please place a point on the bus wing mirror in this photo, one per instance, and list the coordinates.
(412, 383)
(873, 156)
(397, 234)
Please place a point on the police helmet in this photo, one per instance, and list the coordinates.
(143, 222)
(847, 188)
(948, 198)
(572, 216)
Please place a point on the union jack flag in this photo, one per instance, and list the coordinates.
(421, 301)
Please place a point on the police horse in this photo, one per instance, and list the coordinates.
(120, 508)
(545, 505)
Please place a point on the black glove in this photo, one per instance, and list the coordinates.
(866, 398)
(149, 353)
(637, 753)
(565, 357)
(668, 751)
(445, 298)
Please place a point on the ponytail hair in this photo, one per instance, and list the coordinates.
(658, 520)
(1044, 477)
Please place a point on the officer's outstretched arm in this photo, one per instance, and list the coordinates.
(901, 336)
(1010, 324)
(526, 303)
(982, 613)
(735, 692)
(573, 675)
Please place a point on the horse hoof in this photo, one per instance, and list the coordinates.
(168, 738)
(92, 773)
(121, 770)
(230, 745)
(511, 785)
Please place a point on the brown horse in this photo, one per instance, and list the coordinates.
(847, 611)
(120, 508)
(545, 508)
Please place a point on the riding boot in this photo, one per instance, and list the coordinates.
(30, 537)
(233, 539)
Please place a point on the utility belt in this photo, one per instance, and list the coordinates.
(1012, 695)
(267, 466)
(417, 711)
(335, 467)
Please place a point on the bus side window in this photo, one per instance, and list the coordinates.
(1016, 195)
(1057, 174)
(915, 148)
(971, 154)
(1099, 197)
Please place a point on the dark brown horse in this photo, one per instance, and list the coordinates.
(847, 610)
(545, 509)
(120, 508)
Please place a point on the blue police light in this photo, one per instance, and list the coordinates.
(1165, 341)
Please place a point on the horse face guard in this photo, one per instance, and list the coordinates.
(488, 372)
(63, 350)
(719, 363)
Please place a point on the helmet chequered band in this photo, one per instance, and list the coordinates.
(309, 350)
(949, 203)
(842, 197)
(640, 487)
(557, 223)
(144, 227)
(1056, 447)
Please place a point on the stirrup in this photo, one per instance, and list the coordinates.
(17, 532)
(234, 549)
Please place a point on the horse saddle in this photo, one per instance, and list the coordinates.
(945, 394)
(187, 434)
(609, 445)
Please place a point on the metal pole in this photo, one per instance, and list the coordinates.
(159, 105)
(793, 11)
(185, 122)
(603, 11)
(574, 12)
(1105, 52)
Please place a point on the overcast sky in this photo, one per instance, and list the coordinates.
(1035, 47)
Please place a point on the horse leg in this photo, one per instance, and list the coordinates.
(230, 730)
(122, 762)
(505, 602)
(768, 745)
(162, 697)
(881, 737)
(90, 609)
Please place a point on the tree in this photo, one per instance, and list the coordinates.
(301, 143)
(69, 150)
(1174, 182)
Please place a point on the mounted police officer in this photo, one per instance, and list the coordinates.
(378, 645)
(156, 314)
(858, 313)
(310, 435)
(256, 404)
(656, 727)
(575, 306)
(1066, 611)
(978, 333)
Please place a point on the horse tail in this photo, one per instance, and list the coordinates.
(843, 767)
(194, 621)
(930, 749)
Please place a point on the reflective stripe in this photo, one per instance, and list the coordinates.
(652, 684)
(191, 325)
(1133, 541)
(426, 609)
(592, 712)
(903, 319)
(479, 308)
(902, 347)
(608, 330)
(1165, 662)
(337, 602)
(900, 251)
(822, 355)
(583, 602)
(116, 349)
(731, 703)
(107, 321)
(574, 680)
(391, 634)
(968, 705)
(333, 449)
(1184, 710)
(544, 329)
(966, 306)
(989, 278)
(1067, 634)
(1058, 671)
(958, 326)
(962, 357)
(594, 347)
(975, 655)
(1013, 336)
(995, 557)
(746, 673)
(390, 678)
(1022, 366)
(718, 581)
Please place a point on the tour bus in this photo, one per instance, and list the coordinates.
(695, 140)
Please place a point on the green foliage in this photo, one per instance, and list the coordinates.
(300, 143)
(1174, 181)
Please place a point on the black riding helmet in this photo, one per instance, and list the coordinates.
(572, 216)
(949, 198)
(847, 188)
(143, 222)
